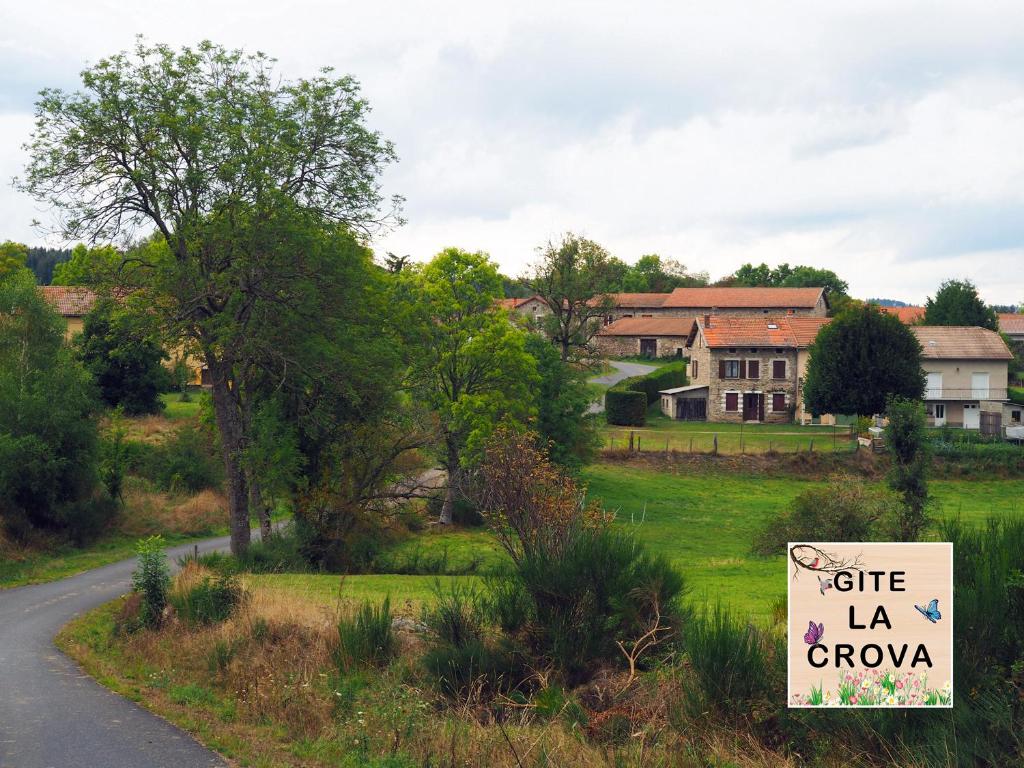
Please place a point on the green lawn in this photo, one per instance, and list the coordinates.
(705, 523)
(175, 409)
(661, 431)
(67, 561)
(407, 593)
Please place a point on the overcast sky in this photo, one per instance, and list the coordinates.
(883, 140)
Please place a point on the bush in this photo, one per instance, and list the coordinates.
(602, 588)
(210, 601)
(185, 462)
(625, 408)
(152, 579)
(729, 659)
(1015, 394)
(844, 510)
(366, 638)
(461, 670)
(665, 377)
(454, 617)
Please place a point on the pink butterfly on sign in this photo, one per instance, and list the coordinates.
(814, 633)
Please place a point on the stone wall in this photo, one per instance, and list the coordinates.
(629, 346)
(763, 384)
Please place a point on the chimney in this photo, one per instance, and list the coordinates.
(707, 321)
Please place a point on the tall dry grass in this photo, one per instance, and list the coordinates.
(148, 512)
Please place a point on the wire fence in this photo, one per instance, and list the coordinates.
(840, 439)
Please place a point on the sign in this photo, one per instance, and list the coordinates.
(870, 624)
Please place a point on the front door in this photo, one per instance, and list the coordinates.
(753, 406)
(940, 414)
(972, 416)
(648, 347)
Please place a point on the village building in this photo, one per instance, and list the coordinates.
(748, 368)
(529, 307)
(907, 315)
(966, 370)
(1013, 326)
(644, 337)
(72, 303)
(775, 302)
(633, 305)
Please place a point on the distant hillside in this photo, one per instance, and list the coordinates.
(888, 302)
(43, 260)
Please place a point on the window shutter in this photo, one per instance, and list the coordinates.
(778, 401)
(731, 401)
(754, 369)
(721, 369)
(743, 369)
(778, 369)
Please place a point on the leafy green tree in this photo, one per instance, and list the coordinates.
(43, 260)
(230, 164)
(13, 257)
(652, 274)
(572, 277)
(861, 359)
(908, 445)
(468, 361)
(957, 303)
(563, 399)
(88, 266)
(785, 276)
(48, 438)
(122, 358)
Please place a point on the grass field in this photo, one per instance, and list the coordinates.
(176, 410)
(699, 436)
(705, 523)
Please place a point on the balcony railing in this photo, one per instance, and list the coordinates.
(965, 393)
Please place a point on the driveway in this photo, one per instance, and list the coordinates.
(622, 371)
(53, 715)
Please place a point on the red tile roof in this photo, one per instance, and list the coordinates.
(1011, 324)
(745, 298)
(517, 302)
(792, 332)
(960, 342)
(639, 300)
(908, 315)
(648, 326)
(69, 300)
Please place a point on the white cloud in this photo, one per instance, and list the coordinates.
(879, 140)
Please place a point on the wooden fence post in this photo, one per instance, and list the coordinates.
(691, 445)
(714, 449)
(811, 446)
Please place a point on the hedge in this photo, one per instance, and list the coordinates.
(624, 410)
(666, 377)
(625, 407)
(1016, 395)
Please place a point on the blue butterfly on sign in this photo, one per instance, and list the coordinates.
(931, 612)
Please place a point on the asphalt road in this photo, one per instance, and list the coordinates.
(622, 371)
(53, 715)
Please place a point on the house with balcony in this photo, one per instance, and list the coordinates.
(966, 372)
(744, 369)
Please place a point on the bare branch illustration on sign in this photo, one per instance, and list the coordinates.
(811, 558)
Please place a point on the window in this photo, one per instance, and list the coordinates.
(753, 350)
(730, 369)
(940, 410)
(732, 401)
(694, 369)
(779, 350)
(753, 369)
(778, 401)
(778, 369)
(1015, 416)
(732, 350)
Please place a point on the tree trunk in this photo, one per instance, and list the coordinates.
(452, 467)
(229, 422)
(257, 504)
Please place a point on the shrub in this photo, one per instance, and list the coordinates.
(729, 659)
(185, 462)
(844, 510)
(454, 617)
(209, 601)
(905, 438)
(461, 670)
(602, 589)
(625, 408)
(152, 579)
(1015, 394)
(366, 638)
(665, 377)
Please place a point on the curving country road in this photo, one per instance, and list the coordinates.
(53, 715)
(622, 371)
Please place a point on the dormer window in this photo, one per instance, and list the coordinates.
(773, 326)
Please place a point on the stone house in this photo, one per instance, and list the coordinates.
(644, 337)
(744, 369)
(966, 370)
(530, 307)
(633, 305)
(742, 302)
(72, 302)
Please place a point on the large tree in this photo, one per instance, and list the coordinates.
(786, 276)
(225, 160)
(467, 360)
(573, 277)
(12, 258)
(861, 359)
(88, 266)
(957, 303)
